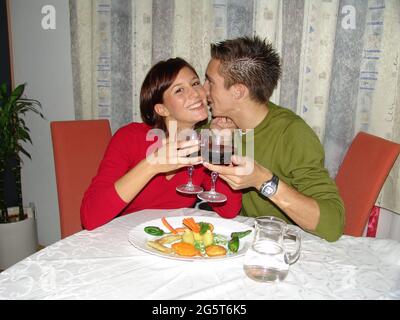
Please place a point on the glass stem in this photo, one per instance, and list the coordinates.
(214, 176)
(190, 172)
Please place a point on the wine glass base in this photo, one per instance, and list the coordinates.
(189, 189)
(214, 197)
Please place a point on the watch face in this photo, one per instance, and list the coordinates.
(269, 189)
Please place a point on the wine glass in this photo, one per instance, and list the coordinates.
(189, 187)
(215, 148)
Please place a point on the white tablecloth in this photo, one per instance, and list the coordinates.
(103, 264)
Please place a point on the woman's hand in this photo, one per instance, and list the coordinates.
(169, 156)
(173, 155)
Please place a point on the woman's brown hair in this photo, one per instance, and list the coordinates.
(157, 81)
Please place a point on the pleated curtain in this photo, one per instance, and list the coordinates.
(340, 60)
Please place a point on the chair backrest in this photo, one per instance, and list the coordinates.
(361, 176)
(78, 148)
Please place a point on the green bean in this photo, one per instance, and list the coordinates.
(233, 244)
(154, 231)
(241, 234)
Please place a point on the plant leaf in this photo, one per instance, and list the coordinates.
(17, 93)
(14, 131)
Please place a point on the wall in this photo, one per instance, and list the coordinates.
(42, 59)
(388, 225)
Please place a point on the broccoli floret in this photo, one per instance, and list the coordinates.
(220, 239)
(199, 245)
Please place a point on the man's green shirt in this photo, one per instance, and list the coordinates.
(286, 145)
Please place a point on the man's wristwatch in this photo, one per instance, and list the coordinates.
(269, 187)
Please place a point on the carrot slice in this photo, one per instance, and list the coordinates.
(191, 224)
(169, 227)
(195, 225)
(185, 249)
(186, 223)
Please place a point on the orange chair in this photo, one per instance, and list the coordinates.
(78, 148)
(361, 176)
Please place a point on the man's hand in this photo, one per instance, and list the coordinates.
(221, 123)
(247, 173)
(244, 173)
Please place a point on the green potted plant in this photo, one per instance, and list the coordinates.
(14, 132)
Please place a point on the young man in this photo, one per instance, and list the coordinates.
(288, 179)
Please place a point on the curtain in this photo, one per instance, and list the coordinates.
(340, 60)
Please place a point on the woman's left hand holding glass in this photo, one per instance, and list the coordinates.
(173, 155)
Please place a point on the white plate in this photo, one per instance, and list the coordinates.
(138, 237)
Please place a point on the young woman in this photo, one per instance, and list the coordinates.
(172, 99)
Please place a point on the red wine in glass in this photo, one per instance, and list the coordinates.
(220, 154)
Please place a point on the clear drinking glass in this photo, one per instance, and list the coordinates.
(189, 187)
(215, 148)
